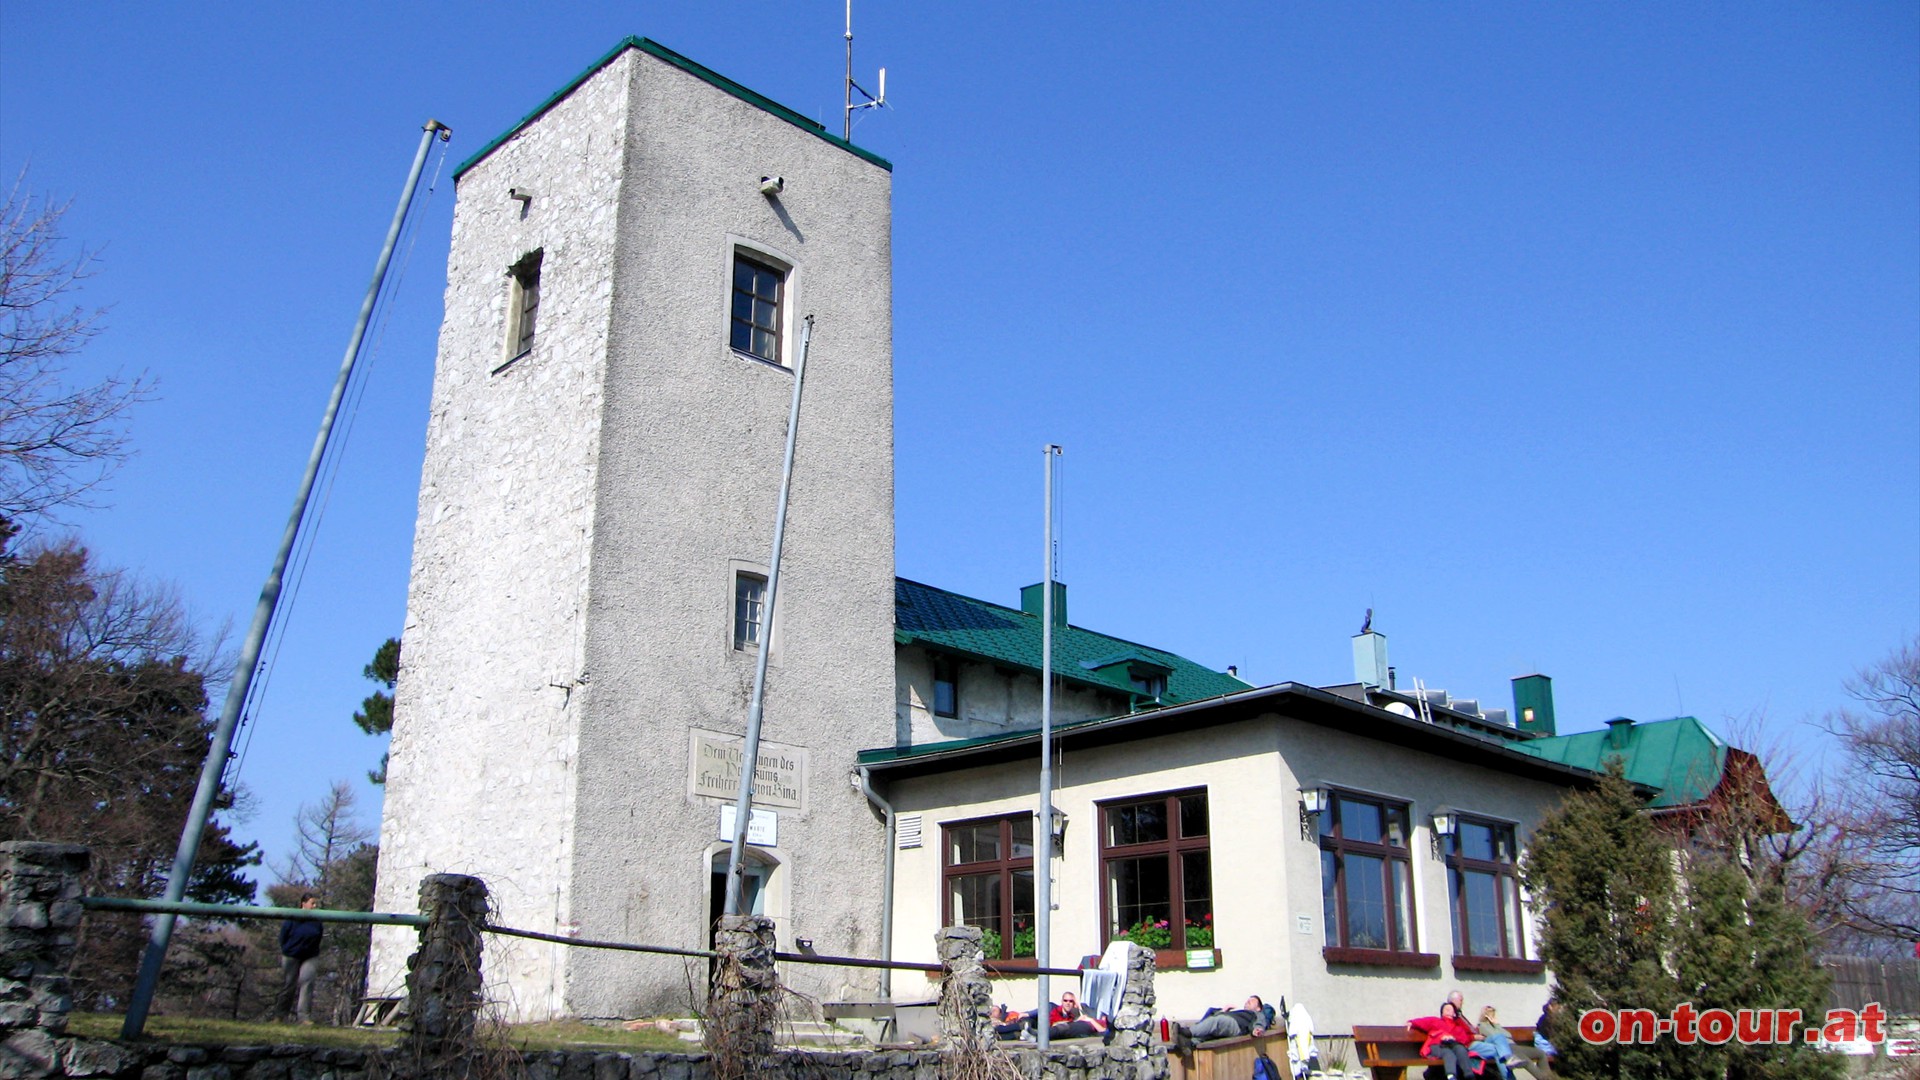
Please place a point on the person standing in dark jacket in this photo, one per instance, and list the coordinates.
(299, 964)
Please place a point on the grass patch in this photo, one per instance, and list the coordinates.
(573, 1034)
(199, 1029)
(550, 1035)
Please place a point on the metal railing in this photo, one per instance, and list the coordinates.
(384, 918)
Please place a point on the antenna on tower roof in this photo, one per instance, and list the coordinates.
(872, 101)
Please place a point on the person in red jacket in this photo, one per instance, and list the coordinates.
(1448, 1036)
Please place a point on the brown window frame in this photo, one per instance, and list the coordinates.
(1173, 848)
(1005, 866)
(1458, 865)
(1337, 935)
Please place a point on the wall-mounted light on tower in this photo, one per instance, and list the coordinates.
(1313, 803)
(772, 185)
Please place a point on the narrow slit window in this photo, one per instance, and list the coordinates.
(758, 290)
(523, 309)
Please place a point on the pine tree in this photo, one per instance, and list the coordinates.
(1605, 881)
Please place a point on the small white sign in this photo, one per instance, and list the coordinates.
(763, 826)
(1304, 924)
(1199, 959)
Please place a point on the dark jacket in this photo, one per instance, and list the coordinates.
(300, 939)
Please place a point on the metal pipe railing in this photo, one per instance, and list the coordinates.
(385, 918)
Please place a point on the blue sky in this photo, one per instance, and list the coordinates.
(1582, 339)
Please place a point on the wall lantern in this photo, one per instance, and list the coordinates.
(1059, 830)
(1445, 823)
(1313, 803)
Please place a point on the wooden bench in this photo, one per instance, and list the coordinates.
(1228, 1059)
(1391, 1051)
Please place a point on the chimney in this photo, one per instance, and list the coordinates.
(1533, 704)
(1619, 733)
(1370, 659)
(1032, 597)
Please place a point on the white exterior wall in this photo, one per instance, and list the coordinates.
(581, 514)
(1264, 874)
(489, 700)
(993, 700)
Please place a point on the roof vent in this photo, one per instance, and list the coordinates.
(1470, 706)
(1498, 716)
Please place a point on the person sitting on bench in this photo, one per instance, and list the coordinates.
(1448, 1036)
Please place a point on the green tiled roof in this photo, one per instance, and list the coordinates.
(951, 623)
(1680, 757)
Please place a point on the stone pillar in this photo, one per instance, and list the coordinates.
(39, 924)
(746, 995)
(443, 975)
(966, 995)
(1133, 1022)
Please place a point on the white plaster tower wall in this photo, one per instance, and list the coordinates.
(583, 510)
(689, 476)
(491, 689)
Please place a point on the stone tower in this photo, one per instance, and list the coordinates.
(624, 297)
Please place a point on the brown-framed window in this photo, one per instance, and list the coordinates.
(946, 686)
(988, 879)
(1156, 871)
(1366, 874)
(1483, 888)
(757, 291)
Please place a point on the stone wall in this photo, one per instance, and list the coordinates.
(98, 1059)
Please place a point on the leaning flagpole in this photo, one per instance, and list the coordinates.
(1043, 903)
(750, 753)
(222, 746)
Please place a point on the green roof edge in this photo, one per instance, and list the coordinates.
(698, 71)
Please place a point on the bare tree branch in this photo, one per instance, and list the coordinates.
(57, 441)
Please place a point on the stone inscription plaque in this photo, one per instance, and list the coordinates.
(779, 780)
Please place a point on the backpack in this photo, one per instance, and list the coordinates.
(1265, 1069)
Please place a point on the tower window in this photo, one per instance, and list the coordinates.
(757, 293)
(749, 607)
(523, 305)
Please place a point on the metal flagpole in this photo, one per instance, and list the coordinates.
(1043, 921)
(750, 754)
(222, 746)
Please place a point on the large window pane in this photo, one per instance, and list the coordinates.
(1193, 815)
(1023, 922)
(1360, 821)
(1366, 902)
(1196, 895)
(1481, 911)
(1510, 908)
(1139, 891)
(1329, 896)
(974, 843)
(1137, 823)
(976, 900)
(1022, 827)
(1476, 841)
